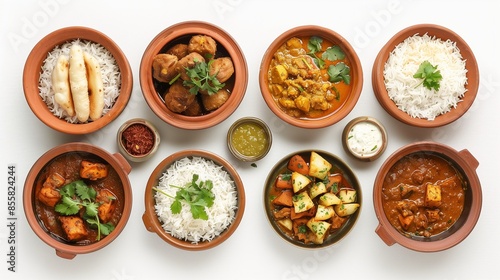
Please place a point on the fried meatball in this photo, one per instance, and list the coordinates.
(194, 109)
(179, 50)
(203, 44)
(189, 61)
(164, 67)
(222, 67)
(178, 98)
(214, 101)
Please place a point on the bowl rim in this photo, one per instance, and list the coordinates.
(472, 85)
(353, 180)
(260, 123)
(461, 158)
(116, 161)
(373, 121)
(328, 34)
(150, 126)
(36, 59)
(150, 218)
(223, 38)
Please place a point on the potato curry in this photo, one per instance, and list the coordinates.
(309, 77)
(311, 200)
(78, 198)
(423, 195)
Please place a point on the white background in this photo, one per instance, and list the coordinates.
(254, 251)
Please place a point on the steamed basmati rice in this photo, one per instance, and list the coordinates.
(109, 69)
(403, 63)
(220, 215)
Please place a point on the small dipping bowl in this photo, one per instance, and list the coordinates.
(137, 139)
(364, 138)
(249, 139)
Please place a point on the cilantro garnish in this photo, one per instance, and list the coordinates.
(197, 195)
(200, 79)
(338, 72)
(76, 195)
(429, 74)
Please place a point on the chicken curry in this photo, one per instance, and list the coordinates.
(309, 77)
(423, 195)
(78, 198)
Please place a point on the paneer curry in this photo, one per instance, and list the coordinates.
(311, 199)
(78, 198)
(423, 195)
(309, 77)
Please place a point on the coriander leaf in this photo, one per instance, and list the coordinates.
(91, 209)
(84, 192)
(198, 212)
(314, 44)
(429, 74)
(107, 228)
(339, 72)
(176, 207)
(201, 80)
(67, 206)
(333, 53)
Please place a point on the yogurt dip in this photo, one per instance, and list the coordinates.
(364, 138)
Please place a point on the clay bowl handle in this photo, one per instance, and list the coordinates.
(65, 255)
(147, 222)
(384, 235)
(469, 158)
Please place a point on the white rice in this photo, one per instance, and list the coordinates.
(220, 215)
(109, 69)
(403, 63)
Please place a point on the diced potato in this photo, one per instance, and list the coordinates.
(347, 196)
(433, 195)
(278, 74)
(317, 189)
(346, 209)
(324, 212)
(302, 202)
(299, 181)
(319, 228)
(318, 166)
(329, 199)
(294, 43)
(287, 223)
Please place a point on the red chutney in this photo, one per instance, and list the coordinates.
(423, 195)
(138, 139)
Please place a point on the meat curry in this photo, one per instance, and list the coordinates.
(78, 198)
(423, 195)
(309, 77)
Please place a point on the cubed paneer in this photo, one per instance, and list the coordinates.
(73, 227)
(278, 74)
(302, 202)
(433, 196)
(93, 170)
(55, 180)
(107, 201)
(49, 196)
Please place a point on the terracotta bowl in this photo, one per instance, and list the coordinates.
(150, 217)
(181, 33)
(444, 34)
(349, 179)
(128, 147)
(115, 161)
(465, 163)
(356, 73)
(35, 61)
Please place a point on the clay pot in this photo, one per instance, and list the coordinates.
(444, 34)
(33, 66)
(66, 250)
(181, 33)
(466, 164)
(356, 73)
(150, 218)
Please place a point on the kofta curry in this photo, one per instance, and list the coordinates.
(193, 75)
(309, 77)
(423, 195)
(78, 198)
